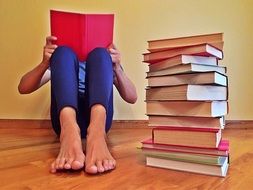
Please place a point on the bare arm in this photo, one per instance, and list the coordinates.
(39, 75)
(123, 84)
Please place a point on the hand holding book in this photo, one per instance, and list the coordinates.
(48, 49)
(116, 57)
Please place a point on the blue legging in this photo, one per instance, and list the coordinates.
(64, 86)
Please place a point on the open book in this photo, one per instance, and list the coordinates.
(82, 32)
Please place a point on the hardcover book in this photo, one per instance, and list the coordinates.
(202, 50)
(188, 108)
(187, 92)
(82, 32)
(183, 59)
(190, 78)
(184, 136)
(215, 40)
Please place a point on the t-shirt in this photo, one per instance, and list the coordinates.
(81, 77)
(81, 83)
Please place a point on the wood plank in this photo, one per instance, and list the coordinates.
(25, 163)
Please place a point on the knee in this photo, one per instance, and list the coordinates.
(62, 53)
(99, 55)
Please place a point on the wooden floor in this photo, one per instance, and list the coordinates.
(26, 153)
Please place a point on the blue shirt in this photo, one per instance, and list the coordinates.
(81, 76)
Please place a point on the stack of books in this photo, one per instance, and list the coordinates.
(186, 100)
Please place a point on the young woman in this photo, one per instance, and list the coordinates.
(81, 102)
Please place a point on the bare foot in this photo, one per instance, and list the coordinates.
(98, 157)
(71, 154)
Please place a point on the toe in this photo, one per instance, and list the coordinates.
(57, 162)
(78, 163)
(91, 169)
(112, 164)
(53, 168)
(100, 166)
(62, 163)
(68, 163)
(106, 165)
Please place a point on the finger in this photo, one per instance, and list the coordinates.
(113, 51)
(49, 39)
(110, 46)
(53, 46)
(49, 51)
(48, 55)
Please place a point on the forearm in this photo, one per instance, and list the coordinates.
(125, 86)
(31, 81)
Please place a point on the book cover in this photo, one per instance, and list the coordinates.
(187, 92)
(187, 108)
(187, 68)
(190, 167)
(201, 50)
(82, 32)
(194, 137)
(214, 78)
(183, 59)
(194, 157)
(215, 39)
(186, 121)
(222, 149)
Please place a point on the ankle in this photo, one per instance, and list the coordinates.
(69, 130)
(95, 130)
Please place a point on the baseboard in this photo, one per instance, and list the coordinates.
(118, 124)
(239, 124)
(38, 123)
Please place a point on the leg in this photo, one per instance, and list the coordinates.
(100, 96)
(64, 105)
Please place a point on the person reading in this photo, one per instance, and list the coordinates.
(81, 102)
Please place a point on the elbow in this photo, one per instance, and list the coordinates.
(22, 90)
(132, 99)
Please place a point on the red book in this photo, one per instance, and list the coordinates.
(221, 150)
(82, 32)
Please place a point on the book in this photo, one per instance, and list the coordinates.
(187, 68)
(187, 108)
(215, 40)
(191, 78)
(221, 150)
(184, 121)
(187, 92)
(82, 32)
(185, 157)
(184, 136)
(214, 170)
(202, 50)
(182, 59)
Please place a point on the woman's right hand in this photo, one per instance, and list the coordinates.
(48, 49)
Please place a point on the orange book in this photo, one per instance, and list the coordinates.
(187, 92)
(187, 68)
(186, 121)
(183, 60)
(215, 40)
(82, 32)
(192, 137)
(188, 108)
(188, 78)
(202, 50)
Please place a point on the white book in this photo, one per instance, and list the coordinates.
(215, 170)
